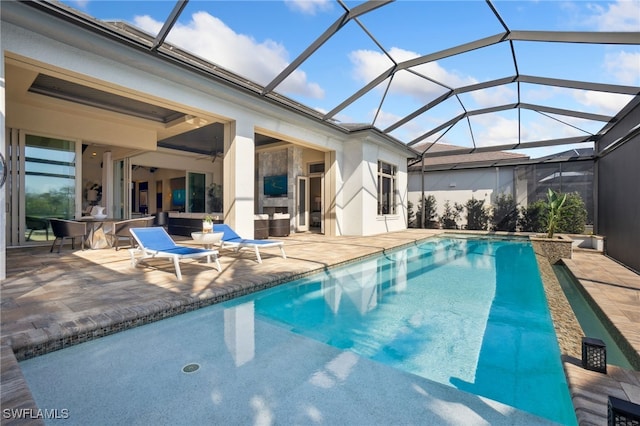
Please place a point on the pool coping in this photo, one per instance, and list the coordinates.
(44, 340)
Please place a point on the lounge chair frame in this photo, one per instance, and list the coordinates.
(155, 242)
(231, 239)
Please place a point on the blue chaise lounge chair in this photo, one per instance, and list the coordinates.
(231, 239)
(154, 242)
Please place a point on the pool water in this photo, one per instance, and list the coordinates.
(589, 321)
(469, 313)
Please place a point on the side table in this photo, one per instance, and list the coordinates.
(207, 239)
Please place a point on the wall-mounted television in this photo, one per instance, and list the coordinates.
(275, 186)
(178, 197)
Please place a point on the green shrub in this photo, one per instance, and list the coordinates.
(451, 215)
(505, 213)
(574, 215)
(477, 215)
(430, 216)
(572, 218)
(533, 218)
(411, 216)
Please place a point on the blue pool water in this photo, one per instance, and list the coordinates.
(469, 313)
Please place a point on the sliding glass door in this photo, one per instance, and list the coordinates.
(196, 192)
(121, 193)
(43, 184)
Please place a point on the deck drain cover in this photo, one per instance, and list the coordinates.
(190, 368)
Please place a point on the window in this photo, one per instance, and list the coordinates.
(386, 188)
(316, 168)
(50, 177)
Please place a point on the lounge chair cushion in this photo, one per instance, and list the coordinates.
(232, 239)
(155, 242)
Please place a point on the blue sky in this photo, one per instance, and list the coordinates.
(258, 39)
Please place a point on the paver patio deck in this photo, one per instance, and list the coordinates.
(52, 300)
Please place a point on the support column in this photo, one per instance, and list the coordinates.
(239, 173)
(330, 202)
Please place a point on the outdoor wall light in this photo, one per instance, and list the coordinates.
(622, 413)
(594, 355)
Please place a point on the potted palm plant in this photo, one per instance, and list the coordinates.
(207, 224)
(558, 247)
(555, 202)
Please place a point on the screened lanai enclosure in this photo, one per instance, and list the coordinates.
(513, 84)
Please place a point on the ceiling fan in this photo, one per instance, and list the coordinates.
(214, 154)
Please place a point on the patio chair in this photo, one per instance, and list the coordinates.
(67, 229)
(154, 242)
(37, 224)
(231, 239)
(120, 230)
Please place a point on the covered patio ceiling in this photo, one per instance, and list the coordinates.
(498, 79)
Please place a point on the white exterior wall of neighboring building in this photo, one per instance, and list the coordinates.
(459, 186)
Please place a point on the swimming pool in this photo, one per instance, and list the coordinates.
(469, 313)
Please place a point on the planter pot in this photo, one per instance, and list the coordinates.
(207, 227)
(554, 249)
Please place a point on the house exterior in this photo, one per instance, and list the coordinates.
(97, 112)
(459, 178)
(85, 105)
(487, 175)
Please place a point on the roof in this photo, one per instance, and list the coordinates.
(436, 157)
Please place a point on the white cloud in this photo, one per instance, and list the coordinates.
(625, 66)
(210, 38)
(535, 93)
(546, 129)
(384, 119)
(500, 95)
(82, 4)
(502, 131)
(601, 102)
(343, 117)
(623, 15)
(148, 24)
(492, 129)
(590, 101)
(309, 7)
(370, 64)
